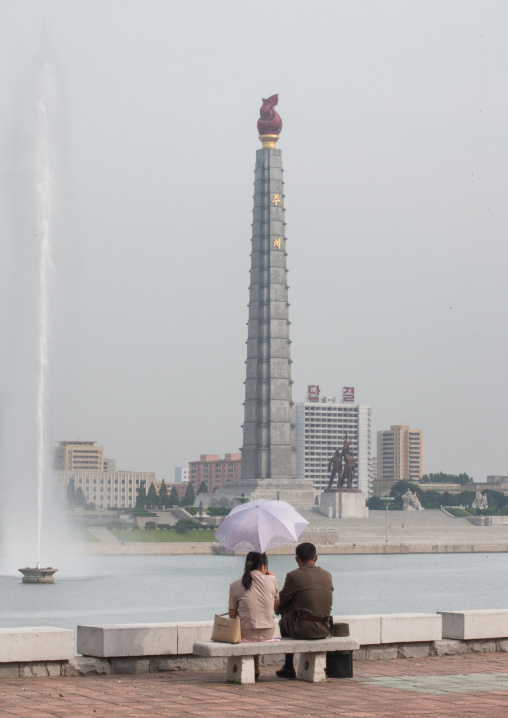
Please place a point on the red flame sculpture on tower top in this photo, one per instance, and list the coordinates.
(269, 122)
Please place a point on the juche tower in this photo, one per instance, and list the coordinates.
(268, 438)
(268, 451)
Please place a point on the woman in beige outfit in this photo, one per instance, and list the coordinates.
(254, 598)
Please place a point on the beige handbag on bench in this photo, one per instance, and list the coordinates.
(225, 629)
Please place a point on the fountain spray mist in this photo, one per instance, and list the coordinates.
(31, 523)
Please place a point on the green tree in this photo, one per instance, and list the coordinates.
(442, 478)
(203, 488)
(163, 495)
(400, 488)
(447, 499)
(375, 503)
(464, 479)
(79, 499)
(218, 510)
(465, 498)
(141, 496)
(71, 494)
(173, 497)
(152, 498)
(184, 525)
(496, 500)
(189, 496)
(430, 499)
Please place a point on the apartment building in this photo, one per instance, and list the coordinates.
(214, 471)
(78, 456)
(399, 454)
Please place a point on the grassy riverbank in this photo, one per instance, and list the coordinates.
(82, 535)
(164, 536)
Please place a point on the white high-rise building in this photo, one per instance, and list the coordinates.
(181, 474)
(321, 424)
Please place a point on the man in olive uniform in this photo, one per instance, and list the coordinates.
(305, 603)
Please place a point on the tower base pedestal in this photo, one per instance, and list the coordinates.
(343, 504)
(294, 491)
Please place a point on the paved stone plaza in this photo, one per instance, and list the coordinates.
(451, 687)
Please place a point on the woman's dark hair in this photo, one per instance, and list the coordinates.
(253, 562)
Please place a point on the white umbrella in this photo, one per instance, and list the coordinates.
(260, 525)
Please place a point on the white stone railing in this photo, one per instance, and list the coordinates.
(152, 647)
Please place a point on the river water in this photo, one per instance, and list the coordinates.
(135, 589)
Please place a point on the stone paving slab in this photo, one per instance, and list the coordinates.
(466, 686)
(469, 683)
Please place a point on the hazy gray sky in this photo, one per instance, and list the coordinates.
(395, 154)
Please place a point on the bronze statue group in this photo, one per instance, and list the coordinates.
(343, 465)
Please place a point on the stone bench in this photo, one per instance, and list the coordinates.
(475, 625)
(240, 666)
(43, 643)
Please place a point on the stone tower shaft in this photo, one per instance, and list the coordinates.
(268, 437)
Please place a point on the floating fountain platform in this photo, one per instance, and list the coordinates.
(38, 574)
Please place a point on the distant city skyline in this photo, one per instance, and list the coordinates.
(395, 121)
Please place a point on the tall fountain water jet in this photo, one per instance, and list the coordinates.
(44, 214)
(25, 471)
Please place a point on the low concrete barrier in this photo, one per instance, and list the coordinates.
(393, 628)
(191, 632)
(36, 644)
(121, 640)
(410, 627)
(154, 647)
(366, 629)
(471, 625)
(144, 639)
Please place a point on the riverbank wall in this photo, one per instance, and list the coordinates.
(370, 548)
